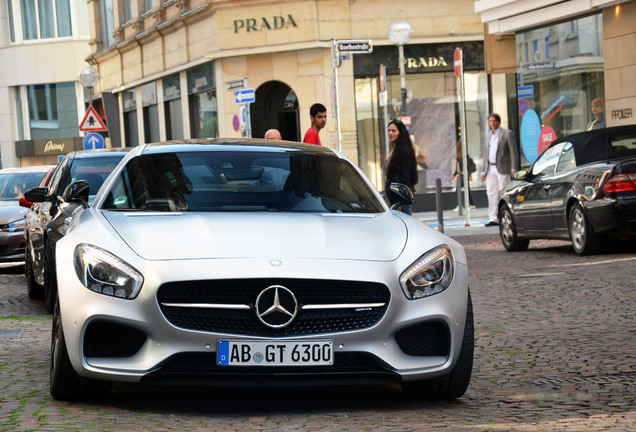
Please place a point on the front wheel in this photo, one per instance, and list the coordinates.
(584, 240)
(65, 383)
(508, 232)
(453, 385)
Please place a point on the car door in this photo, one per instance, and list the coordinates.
(561, 189)
(533, 205)
(41, 219)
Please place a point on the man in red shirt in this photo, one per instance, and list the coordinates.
(318, 116)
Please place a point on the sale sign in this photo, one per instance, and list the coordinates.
(545, 139)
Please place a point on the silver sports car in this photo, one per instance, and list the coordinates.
(252, 262)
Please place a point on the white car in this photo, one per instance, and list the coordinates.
(254, 262)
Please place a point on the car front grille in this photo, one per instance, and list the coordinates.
(108, 340)
(320, 305)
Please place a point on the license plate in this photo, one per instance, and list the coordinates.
(268, 353)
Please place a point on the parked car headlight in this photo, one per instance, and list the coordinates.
(13, 226)
(104, 273)
(431, 274)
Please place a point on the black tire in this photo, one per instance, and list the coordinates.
(454, 384)
(584, 240)
(508, 232)
(50, 279)
(65, 384)
(34, 290)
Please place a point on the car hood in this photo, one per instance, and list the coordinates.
(377, 237)
(10, 212)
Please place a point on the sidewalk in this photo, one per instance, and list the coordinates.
(455, 225)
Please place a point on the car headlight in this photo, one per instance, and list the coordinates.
(13, 226)
(431, 274)
(104, 273)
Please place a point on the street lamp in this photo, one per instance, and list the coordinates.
(400, 33)
(88, 77)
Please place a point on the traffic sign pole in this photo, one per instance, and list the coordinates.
(459, 73)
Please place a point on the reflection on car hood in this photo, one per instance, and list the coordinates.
(9, 213)
(248, 235)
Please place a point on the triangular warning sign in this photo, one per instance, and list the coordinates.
(91, 121)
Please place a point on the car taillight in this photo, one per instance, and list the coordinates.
(621, 183)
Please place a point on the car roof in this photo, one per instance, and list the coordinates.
(594, 145)
(29, 169)
(99, 153)
(235, 144)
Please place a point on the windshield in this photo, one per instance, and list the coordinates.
(241, 181)
(13, 185)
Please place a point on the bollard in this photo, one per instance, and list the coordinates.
(438, 204)
(460, 203)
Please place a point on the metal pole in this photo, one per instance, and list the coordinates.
(464, 148)
(402, 79)
(334, 63)
(438, 204)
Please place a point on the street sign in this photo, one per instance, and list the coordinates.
(245, 96)
(458, 62)
(93, 141)
(92, 122)
(236, 84)
(235, 123)
(354, 46)
(407, 120)
(525, 91)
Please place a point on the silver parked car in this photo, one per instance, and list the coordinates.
(254, 262)
(13, 183)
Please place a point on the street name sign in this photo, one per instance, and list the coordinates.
(354, 46)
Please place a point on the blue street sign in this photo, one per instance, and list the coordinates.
(93, 141)
(245, 96)
(525, 91)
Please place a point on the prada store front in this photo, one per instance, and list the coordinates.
(432, 103)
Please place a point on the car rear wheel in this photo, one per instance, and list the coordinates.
(508, 233)
(65, 383)
(50, 280)
(34, 290)
(584, 240)
(453, 385)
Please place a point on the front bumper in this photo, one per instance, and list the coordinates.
(132, 340)
(12, 246)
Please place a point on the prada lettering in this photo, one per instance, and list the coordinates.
(622, 114)
(426, 62)
(50, 146)
(274, 23)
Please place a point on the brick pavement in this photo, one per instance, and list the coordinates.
(554, 351)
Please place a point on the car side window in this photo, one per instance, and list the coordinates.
(546, 164)
(567, 160)
(56, 177)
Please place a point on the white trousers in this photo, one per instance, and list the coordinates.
(495, 182)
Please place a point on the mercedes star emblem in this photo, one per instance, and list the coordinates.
(276, 306)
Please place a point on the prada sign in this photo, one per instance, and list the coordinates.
(264, 23)
(420, 58)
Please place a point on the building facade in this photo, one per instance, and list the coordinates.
(570, 58)
(43, 44)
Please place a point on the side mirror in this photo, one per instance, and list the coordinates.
(37, 194)
(521, 174)
(23, 202)
(77, 192)
(399, 195)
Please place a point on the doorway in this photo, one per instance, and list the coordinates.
(276, 107)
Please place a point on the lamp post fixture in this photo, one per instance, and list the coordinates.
(88, 77)
(400, 33)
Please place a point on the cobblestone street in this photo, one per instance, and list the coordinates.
(555, 351)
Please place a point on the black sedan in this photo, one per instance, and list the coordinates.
(49, 220)
(581, 188)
